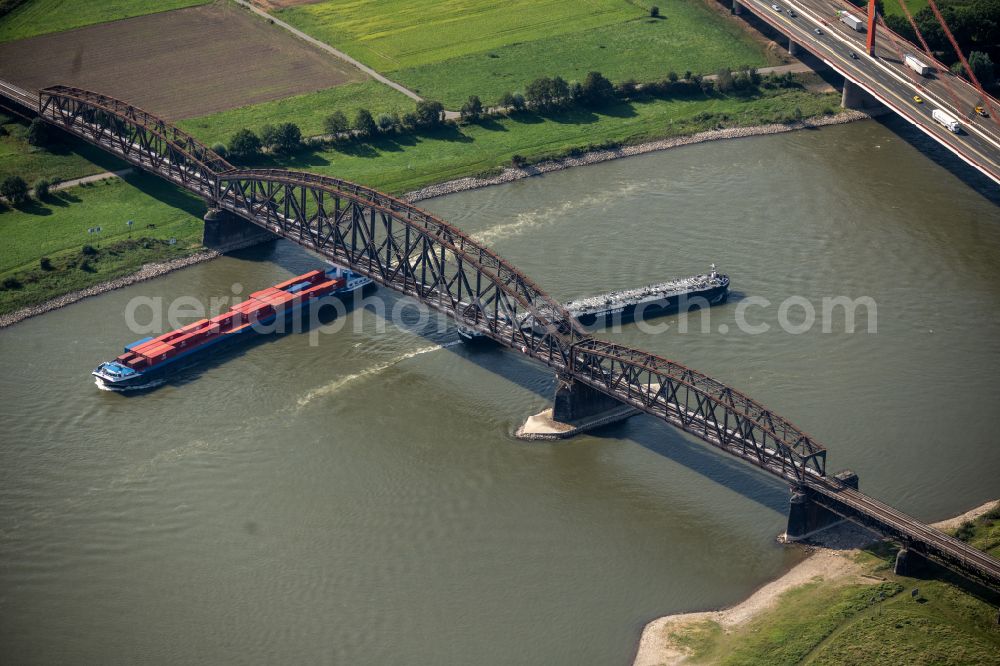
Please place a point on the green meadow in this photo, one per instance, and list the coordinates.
(450, 50)
(56, 228)
(61, 160)
(308, 111)
(399, 163)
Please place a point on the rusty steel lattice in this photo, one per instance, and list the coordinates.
(714, 412)
(408, 250)
(405, 249)
(136, 136)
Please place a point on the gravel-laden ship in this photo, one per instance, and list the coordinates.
(146, 362)
(627, 305)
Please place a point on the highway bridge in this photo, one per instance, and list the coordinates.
(885, 77)
(414, 253)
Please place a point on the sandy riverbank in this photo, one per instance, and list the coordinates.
(450, 187)
(831, 558)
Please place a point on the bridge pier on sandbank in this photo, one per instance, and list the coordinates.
(576, 408)
(226, 232)
(806, 517)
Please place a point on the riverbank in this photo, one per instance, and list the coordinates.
(837, 564)
(510, 174)
(147, 272)
(457, 185)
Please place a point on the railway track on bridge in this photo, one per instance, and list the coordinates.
(414, 253)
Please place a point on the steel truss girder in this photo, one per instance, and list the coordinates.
(704, 407)
(408, 250)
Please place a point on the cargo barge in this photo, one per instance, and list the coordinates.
(627, 305)
(146, 362)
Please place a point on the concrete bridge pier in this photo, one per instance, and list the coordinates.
(855, 97)
(911, 563)
(806, 517)
(793, 48)
(226, 232)
(576, 408)
(737, 8)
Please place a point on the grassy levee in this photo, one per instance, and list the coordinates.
(874, 621)
(450, 50)
(399, 163)
(308, 111)
(40, 17)
(56, 228)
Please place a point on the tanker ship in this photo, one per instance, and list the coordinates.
(145, 362)
(627, 305)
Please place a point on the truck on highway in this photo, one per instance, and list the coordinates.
(946, 120)
(853, 21)
(917, 66)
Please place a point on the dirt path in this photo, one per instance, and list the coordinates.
(66, 184)
(329, 49)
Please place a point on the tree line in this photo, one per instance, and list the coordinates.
(541, 95)
(287, 137)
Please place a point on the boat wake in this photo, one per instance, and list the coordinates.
(535, 218)
(336, 385)
(122, 389)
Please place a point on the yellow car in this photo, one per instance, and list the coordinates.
(918, 99)
(981, 111)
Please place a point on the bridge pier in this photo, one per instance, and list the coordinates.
(806, 517)
(576, 408)
(737, 8)
(793, 48)
(226, 232)
(855, 97)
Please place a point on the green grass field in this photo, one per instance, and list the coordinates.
(892, 6)
(39, 17)
(63, 160)
(307, 111)
(450, 50)
(404, 162)
(389, 35)
(57, 228)
(870, 624)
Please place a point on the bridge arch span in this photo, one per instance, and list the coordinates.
(406, 249)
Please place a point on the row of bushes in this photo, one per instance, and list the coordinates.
(287, 137)
(16, 190)
(544, 94)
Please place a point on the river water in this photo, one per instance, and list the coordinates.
(363, 500)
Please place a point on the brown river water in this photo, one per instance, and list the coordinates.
(362, 500)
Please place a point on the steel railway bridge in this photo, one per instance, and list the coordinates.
(414, 253)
